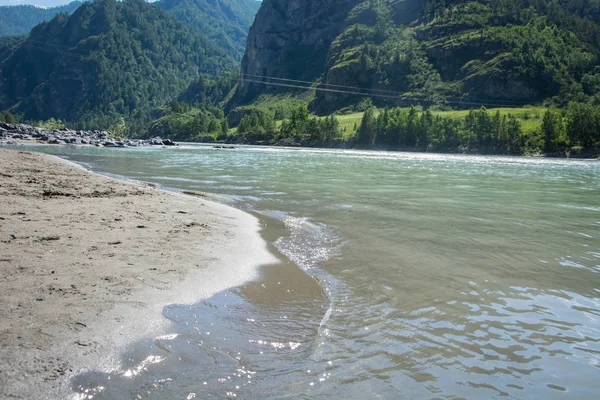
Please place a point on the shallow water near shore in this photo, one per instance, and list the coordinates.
(439, 276)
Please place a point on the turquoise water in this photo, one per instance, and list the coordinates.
(443, 276)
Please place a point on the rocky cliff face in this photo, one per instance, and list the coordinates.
(291, 39)
(309, 40)
(423, 52)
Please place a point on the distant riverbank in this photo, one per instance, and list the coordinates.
(88, 262)
(588, 153)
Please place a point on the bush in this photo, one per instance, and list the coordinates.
(6, 116)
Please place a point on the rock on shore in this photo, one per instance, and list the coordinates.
(15, 133)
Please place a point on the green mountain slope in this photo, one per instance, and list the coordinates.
(108, 60)
(456, 52)
(19, 20)
(225, 21)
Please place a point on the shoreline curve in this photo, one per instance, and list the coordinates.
(87, 263)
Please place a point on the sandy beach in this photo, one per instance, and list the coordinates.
(87, 263)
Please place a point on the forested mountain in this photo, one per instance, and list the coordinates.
(108, 60)
(431, 52)
(225, 21)
(19, 20)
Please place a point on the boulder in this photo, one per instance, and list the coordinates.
(7, 126)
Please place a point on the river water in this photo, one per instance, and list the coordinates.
(403, 275)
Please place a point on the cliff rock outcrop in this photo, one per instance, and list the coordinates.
(291, 38)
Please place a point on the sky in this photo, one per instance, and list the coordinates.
(45, 3)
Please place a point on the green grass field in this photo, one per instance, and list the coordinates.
(529, 117)
(349, 123)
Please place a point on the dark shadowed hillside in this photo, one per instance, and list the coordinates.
(108, 60)
(18, 20)
(224, 21)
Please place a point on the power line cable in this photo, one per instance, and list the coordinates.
(402, 98)
(298, 84)
(384, 92)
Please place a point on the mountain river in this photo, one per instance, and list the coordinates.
(402, 276)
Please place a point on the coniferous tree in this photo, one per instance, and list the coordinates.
(551, 130)
(368, 128)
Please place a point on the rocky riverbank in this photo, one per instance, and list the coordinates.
(19, 133)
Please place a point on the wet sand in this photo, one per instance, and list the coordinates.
(87, 263)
